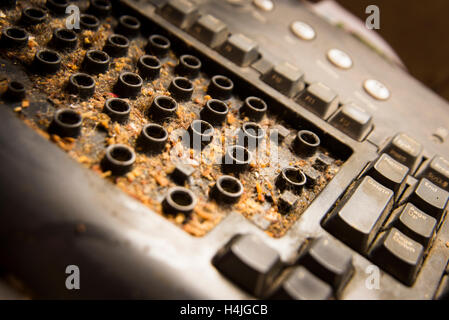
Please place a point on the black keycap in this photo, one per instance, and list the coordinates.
(359, 215)
(398, 254)
(389, 173)
(249, 262)
(429, 198)
(330, 262)
(416, 224)
(210, 30)
(352, 120)
(405, 149)
(437, 171)
(301, 284)
(263, 65)
(443, 289)
(287, 202)
(182, 172)
(319, 99)
(240, 49)
(285, 78)
(181, 13)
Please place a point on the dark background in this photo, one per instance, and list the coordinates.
(419, 33)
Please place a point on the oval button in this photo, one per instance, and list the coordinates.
(264, 5)
(376, 89)
(339, 58)
(303, 30)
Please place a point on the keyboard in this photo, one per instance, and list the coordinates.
(219, 149)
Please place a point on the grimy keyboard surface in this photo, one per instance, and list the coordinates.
(222, 150)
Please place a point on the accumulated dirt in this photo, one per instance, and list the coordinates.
(150, 177)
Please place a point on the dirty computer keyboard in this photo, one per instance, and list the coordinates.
(215, 150)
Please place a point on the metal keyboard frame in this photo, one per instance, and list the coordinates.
(128, 251)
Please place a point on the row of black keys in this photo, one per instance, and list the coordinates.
(320, 271)
(405, 237)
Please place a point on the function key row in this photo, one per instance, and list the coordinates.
(286, 78)
(210, 30)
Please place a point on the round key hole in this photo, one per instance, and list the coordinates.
(156, 131)
(179, 199)
(236, 159)
(166, 103)
(130, 21)
(57, 3)
(67, 35)
(117, 109)
(120, 154)
(294, 176)
(151, 62)
(230, 186)
(218, 106)
(16, 33)
(191, 61)
(223, 82)
(160, 41)
(257, 104)
(49, 56)
(183, 83)
(47, 61)
(66, 123)
(119, 159)
(158, 45)
(182, 198)
(309, 138)
(202, 128)
(215, 112)
(240, 154)
(201, 133)
(69, 118)
(181, 89)
(131, 79)
(253, 108)
(17, 86)
(104, 4)
(116, 45)
(98, 56)
(119, 40)
(35, 13)
(57, 6)
(96, 61)
(252, 129)
(89, 21)
(15, 91)
(119, 105)
(83, 80)
(153, 138)
(100, 8)
(82, 85)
